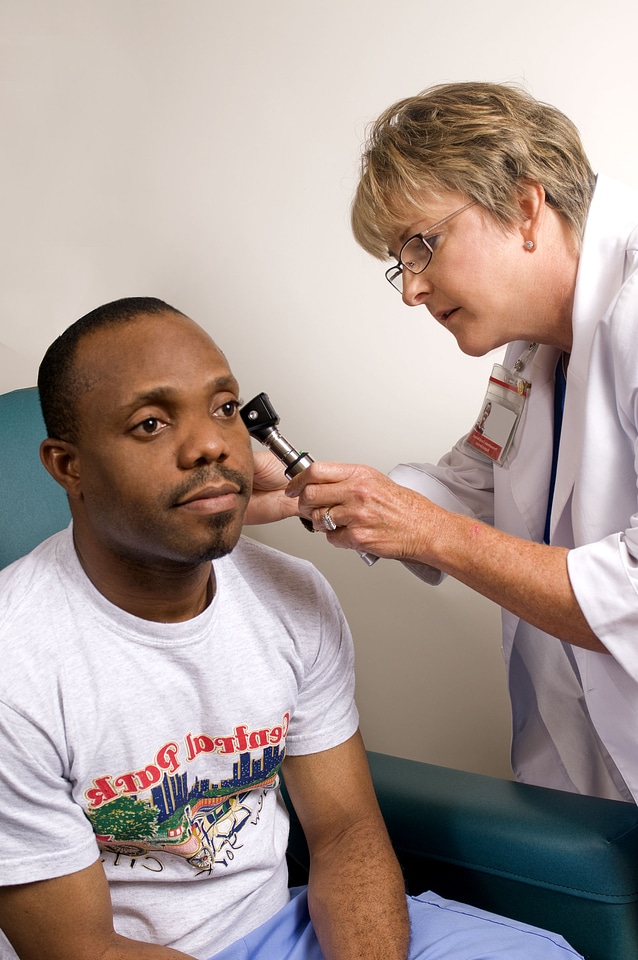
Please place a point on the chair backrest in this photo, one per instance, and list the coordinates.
(33, 505)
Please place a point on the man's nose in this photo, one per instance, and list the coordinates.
(416, 287)
(204, 441)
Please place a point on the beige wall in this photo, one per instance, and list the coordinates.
(205, 152)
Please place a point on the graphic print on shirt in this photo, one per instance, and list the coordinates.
(157, 808)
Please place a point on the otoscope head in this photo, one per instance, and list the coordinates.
(260, 416)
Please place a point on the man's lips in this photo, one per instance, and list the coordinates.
(210, 499)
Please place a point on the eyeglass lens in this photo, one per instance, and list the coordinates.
(395, 276)
(416, 253)
(414, 256)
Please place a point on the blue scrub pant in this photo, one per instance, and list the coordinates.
(441, 930)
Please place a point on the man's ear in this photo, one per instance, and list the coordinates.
(531, 199)
(62, 460)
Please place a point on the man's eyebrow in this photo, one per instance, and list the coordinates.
(167, 393)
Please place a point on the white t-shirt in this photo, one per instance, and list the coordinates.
(161, 743)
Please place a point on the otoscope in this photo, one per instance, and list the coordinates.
(261, 419)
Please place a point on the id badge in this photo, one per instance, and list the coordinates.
(502, 409)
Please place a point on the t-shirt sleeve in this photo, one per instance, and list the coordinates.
(326, 714)
(44, 832)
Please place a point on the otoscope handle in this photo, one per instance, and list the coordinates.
(294, 460)
(261, 420)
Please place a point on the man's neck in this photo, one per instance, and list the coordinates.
(167, 594)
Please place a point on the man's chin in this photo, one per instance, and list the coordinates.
(215, 552)
(225, 536)
(180, 549)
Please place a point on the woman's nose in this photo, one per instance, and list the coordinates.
(416, 287)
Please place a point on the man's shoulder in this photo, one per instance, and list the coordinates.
(268, 568)
(24, 582)
(250, 551)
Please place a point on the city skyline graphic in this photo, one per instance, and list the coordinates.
(173, 793)
(199, 823)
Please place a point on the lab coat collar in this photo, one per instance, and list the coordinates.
(612, 219)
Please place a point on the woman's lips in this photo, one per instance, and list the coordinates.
(445, 315)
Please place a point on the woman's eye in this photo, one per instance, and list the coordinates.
(432, 241)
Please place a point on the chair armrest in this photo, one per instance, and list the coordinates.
(557, 860)
(564, 862)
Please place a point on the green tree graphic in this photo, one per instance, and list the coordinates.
(125, 819)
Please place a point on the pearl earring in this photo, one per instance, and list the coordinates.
(529, 244)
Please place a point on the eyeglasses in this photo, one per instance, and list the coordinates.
(416, 252)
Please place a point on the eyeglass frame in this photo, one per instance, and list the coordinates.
(396, 271)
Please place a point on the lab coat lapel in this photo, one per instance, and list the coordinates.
(600, 273)
(523, 487)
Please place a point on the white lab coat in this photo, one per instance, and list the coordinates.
(595, 510)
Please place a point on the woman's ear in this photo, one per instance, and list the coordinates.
(61, 459)
(531, 200)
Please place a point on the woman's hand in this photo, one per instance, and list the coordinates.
(269, 502)
(375, 515)
(372, 513)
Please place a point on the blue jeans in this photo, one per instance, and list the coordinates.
(441, 930)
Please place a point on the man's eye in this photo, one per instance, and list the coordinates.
(228, 409)
(149, 426)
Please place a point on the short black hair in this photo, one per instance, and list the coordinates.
(60, 383)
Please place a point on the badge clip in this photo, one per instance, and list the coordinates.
(502, 409)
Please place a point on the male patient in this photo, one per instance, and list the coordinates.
(159, 673)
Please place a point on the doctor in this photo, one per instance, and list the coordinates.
(484, 200)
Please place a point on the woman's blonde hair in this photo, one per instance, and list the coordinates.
(480, 139)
